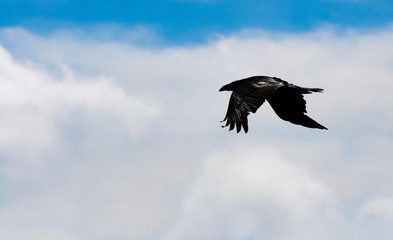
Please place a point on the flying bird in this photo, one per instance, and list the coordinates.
(250, 93)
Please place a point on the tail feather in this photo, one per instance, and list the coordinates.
(311, 90)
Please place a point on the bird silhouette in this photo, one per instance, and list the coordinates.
(250, 93)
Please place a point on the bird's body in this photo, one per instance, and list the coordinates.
(250, 93)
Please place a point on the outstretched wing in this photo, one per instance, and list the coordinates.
(289, 105)
(248, 98)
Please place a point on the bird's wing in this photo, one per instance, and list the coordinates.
(247, 98)
(289, 105)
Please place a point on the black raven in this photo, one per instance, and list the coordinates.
(286, 100)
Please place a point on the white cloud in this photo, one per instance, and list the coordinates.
(35, 104)
(246, 193)
(103, 139)
(382, 206)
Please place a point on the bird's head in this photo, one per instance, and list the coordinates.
(225, 88)
(232, 86)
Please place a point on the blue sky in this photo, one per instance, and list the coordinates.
(110, 120)
(192, 20)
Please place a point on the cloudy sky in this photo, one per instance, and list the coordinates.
(110, 120)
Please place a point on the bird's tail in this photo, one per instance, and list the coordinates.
(311, 90)
(305, 90)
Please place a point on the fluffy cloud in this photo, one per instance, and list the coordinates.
(249, 193)
(37, 106)
(383, 206)
(104, 139)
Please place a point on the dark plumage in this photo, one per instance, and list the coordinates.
(286, 100)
